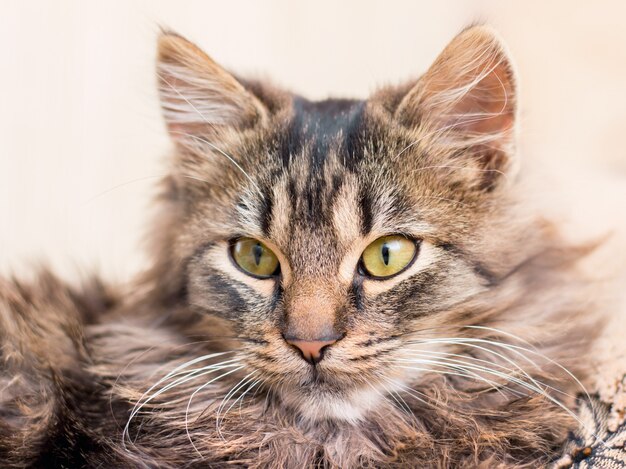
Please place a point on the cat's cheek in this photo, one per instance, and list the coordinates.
(428, 255)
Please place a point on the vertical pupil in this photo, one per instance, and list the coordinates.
(385, 253)
(257, 252)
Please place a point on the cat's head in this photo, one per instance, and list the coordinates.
(333, 235)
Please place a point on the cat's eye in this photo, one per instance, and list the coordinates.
(254, 257)
(388, 256)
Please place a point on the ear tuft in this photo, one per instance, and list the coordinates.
(468, 96)
(197, 95)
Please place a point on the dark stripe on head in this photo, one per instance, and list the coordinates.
(316, 126)
(292, 193)
(365, 206)
(353, 145)
(265, 215)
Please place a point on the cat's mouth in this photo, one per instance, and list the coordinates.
(318, 378)
(331, 374)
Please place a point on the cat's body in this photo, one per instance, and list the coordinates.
(457, 359)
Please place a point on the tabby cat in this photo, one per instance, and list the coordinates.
(337, 283)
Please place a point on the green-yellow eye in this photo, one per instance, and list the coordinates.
(254, 257)
(388, 256)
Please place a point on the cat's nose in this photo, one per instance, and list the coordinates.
(312, 350)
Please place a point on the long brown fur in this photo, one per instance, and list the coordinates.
(84, 371)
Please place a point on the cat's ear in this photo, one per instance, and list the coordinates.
(198, 97)
(468, 98)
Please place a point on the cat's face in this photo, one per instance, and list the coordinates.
(333, 235)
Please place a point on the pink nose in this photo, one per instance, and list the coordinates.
(311, 349)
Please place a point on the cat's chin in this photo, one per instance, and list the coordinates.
(322, 404)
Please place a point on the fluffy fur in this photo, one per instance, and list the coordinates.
(466, 359)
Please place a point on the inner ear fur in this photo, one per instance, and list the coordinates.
(198, 96)
(467, 100)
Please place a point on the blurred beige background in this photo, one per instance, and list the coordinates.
(82, 143)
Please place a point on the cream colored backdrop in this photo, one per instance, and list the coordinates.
(81, 141)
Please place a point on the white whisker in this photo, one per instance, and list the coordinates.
(188, 377)
(402, 405)
(462, 371)
(422, 353)
(175, 372)
(230, 393)
(394, 384)
(191, 400)
(470, 342)
(412, 392)
(251, 385)
(533, 350)
(533, 386)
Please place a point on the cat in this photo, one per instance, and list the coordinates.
(339, 283)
